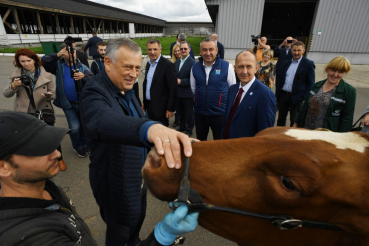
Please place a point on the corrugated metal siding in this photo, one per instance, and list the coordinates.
(344, 25)
(238, 20)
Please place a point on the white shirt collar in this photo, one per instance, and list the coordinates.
(247, 86)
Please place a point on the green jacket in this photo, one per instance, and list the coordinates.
(340, 111)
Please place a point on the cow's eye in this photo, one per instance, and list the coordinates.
(288, 183)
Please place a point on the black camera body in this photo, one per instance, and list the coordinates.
(26, 80)
(71, 40)
(74, 71)
(255, 39)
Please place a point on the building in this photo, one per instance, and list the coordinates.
(328, 27)
(201, 29)
(35, 21)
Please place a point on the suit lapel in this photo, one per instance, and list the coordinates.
(177, 68)
(250, 94)
(183, 66)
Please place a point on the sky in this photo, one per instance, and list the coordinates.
(184, 10)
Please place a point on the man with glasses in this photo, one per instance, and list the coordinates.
(185, 96)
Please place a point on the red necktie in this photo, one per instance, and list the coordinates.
(231, 114)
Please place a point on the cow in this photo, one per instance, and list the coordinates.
(312, 175)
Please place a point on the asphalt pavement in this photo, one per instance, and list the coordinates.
(75, 180)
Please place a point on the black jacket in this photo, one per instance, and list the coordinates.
(114, 139)
(92, 46)
(184, 89)
(82, 57)
(37, 222)
(220, 49)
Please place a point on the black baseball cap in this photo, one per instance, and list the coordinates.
(24, 134)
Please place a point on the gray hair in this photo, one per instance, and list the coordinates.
(215, 35)
(182, 37)
(114, 45)
(207, 40)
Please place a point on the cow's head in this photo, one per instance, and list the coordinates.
(319, 176)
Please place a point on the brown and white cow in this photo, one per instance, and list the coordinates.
(311, 175)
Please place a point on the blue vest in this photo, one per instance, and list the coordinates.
(211, 99)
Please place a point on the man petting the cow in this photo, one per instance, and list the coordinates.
(119, 137)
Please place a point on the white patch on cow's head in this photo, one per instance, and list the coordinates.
(348, 140)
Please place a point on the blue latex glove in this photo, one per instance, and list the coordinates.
(175, 223)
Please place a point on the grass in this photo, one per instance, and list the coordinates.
(165, 43)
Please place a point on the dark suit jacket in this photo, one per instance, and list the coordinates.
(164, 86)
(171, 50)
(220, 49)
(184, 89)
(255, 113)
(92, 44)
(82, 57)
(303, 81)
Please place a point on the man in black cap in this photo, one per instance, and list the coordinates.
(33, 209)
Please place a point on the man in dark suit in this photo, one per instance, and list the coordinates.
(81, 56)
(284, 54)
(180, 38)
(295, 84)
(251, 105)
(185, 95)
(220, 46)
(92, 45)
(160, 85)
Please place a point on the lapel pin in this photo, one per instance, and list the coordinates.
(251, 93)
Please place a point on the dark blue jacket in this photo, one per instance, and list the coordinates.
(97, 65)
(184, 89)
(303, 81)
(92, 44)
(220, 49)
(171, 50)
(255, 113)
(211, 99)
(55, 65)
(114, 139)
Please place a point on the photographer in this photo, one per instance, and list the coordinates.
(260, 46)
(66, 92)
(33, 87)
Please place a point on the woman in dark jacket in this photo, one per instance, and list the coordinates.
(35, 91)
(331, 103)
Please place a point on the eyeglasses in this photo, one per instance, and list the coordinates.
(184, 48)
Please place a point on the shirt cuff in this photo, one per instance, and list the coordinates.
(143, 132)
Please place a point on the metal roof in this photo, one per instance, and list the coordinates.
(90, 8)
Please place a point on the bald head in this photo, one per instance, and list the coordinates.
(246, 66)
(214, 37)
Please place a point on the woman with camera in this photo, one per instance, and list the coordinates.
(34, 89)
(331, 102)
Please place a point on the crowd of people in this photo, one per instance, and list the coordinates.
(107, 119)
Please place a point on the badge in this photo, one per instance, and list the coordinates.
(251, 93)
(217, 71)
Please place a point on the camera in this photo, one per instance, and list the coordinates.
(290, 41)
(26, 80)
(71, 40)
(74, 71)
(255, 39)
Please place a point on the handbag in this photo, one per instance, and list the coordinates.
(47, 115)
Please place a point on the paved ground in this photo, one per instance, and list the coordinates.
(75, 178)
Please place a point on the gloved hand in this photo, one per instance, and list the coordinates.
(175, 223)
